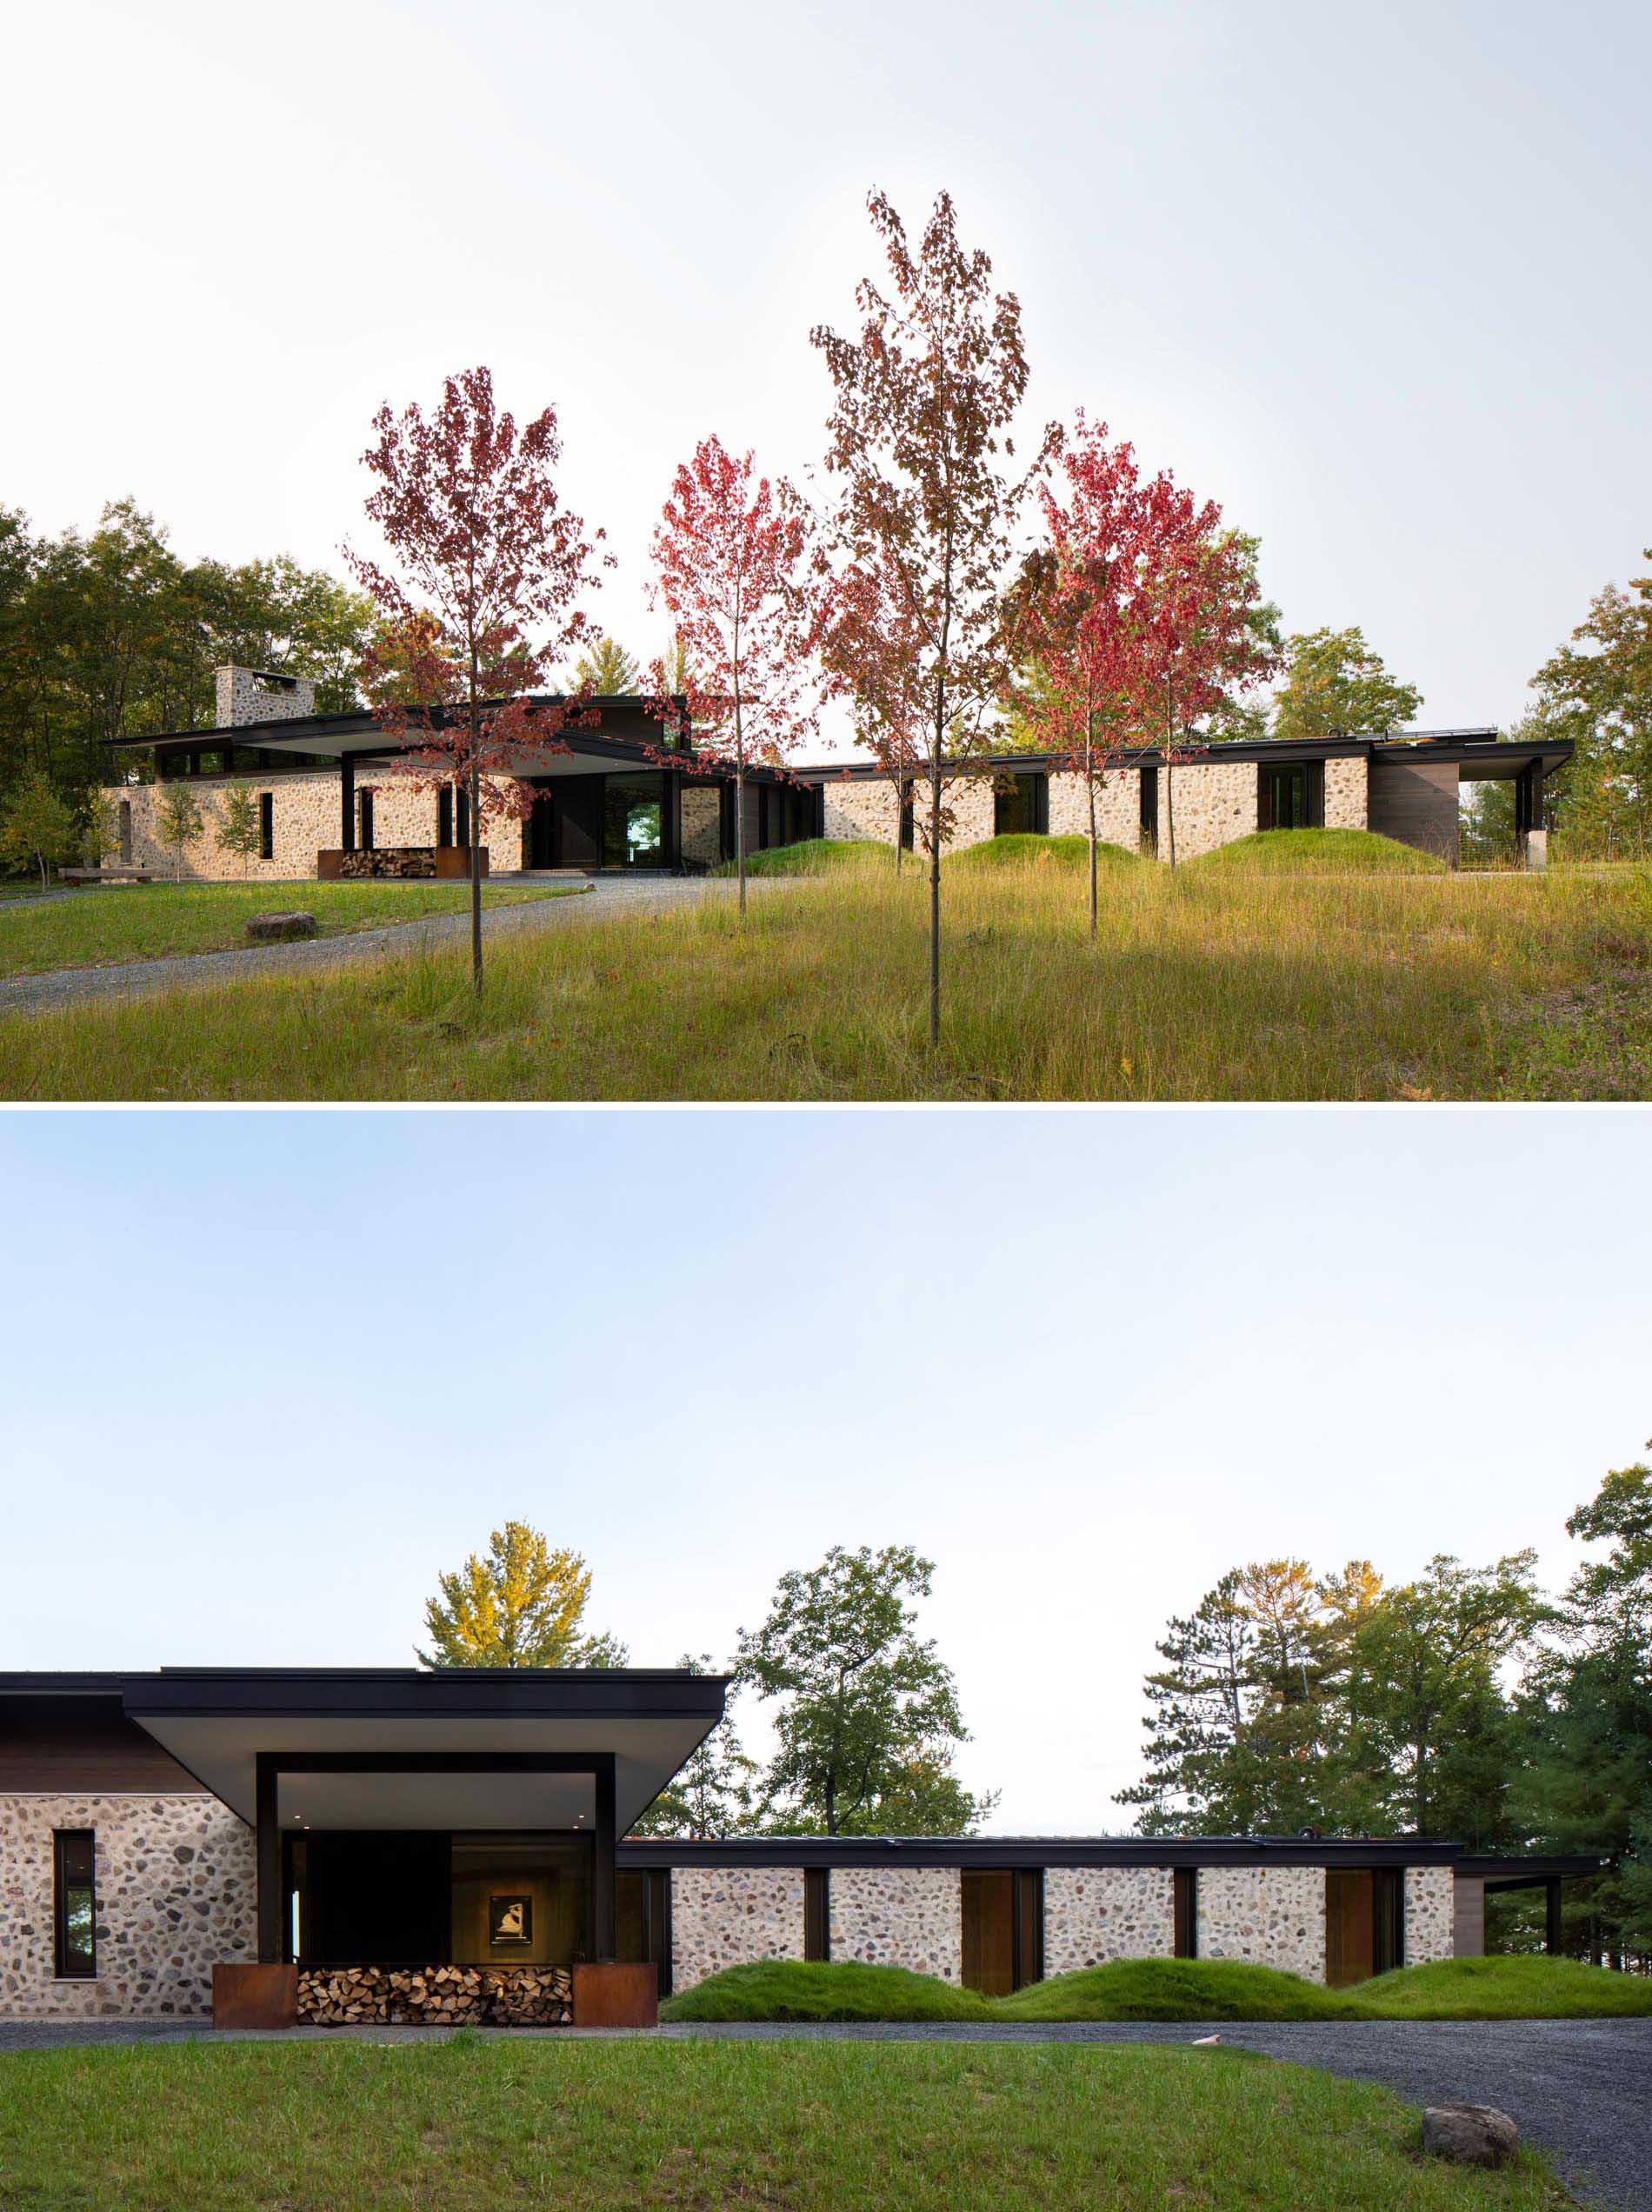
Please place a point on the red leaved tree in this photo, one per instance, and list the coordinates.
(731, 558)
(871, 650)
(919, 434)
(1199, 644)
(479, 605)
(1082, 608)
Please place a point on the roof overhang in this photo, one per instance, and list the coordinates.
(1478, 753)
(452, 1747)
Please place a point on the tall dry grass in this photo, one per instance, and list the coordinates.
(1201, 985)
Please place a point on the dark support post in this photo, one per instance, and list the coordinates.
(604, 1942)
(347, 800)
(671, 825)
(725, 820)
(269, 1861)
(1551, 1916)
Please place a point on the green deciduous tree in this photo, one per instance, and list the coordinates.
(521, 1605)
(868, 1715)
(1336, 686)
(238, 829)
(179, 823)
(37, 828)
(710, 1793)
(1597, 691)
(607, 670)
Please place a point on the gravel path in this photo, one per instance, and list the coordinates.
(1579, 2089)
(607, 897)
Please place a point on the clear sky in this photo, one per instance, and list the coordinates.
(253, 1397)
(1374, 279)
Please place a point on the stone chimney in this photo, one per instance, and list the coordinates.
(254, 695)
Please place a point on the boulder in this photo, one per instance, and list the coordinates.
(1469, 2135)
(273, 928)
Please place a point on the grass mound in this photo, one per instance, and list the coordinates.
(814, 857)
(1024, 852)
(1505, 1989)
(788, 1989)
(1191, 1989)
(1173, 1989)
(1322, 852)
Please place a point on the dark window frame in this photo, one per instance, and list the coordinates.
(1030, 797)
(1274, 777)
(1185, 1940)
(66, 1962)
(266, 825)
(1147, 810)
(818, 1915)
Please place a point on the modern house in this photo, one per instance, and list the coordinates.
(333, 802)
(272, 1845)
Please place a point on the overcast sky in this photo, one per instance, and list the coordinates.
(253, 1395)
(1374, 279)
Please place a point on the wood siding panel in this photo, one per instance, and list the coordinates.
(72, 1744)
(1468, 1917)
(989, 1932)
(1416, 803)
(1350, 1926)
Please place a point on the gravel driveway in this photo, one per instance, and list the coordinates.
(1581, 2089)
(606, 897)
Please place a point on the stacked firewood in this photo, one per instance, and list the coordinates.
(445, 1996)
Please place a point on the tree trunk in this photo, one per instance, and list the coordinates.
(1169, 773)
(475, 877)
(934, 894)
(740, 828)
(1090, 780)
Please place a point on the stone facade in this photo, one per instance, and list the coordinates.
(911, 1916)
(1346, 782)
(176, 1893)
(1118, 807)
(1214, 802)
(1271, 1915)
(1430, 1901)
(860, 810)
(1095, 1913)
(731, 1915)
(305, 822)
(702, 820)
(254, 695)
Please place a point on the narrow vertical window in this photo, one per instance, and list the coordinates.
(906, 822)
(1186, 1885)
(1148, 811)
(367, 822)
(464, 816)
(75, 1904)
(817, 1913)
(444, 817)
(266, 825)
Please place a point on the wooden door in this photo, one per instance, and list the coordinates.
(990, 1931)
(1350, 1926)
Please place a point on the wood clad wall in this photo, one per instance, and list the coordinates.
(1468, 1917)
(989, 1931)
(78, 1744)
(1350, 1926)
(1416, 802)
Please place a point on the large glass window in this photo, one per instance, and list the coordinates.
(74, 1903)
(1290, 795)
(634, 822)
(1018, 804)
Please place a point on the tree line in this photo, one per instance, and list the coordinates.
(1464, 1704)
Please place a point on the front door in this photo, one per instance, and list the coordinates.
(1350, 1926)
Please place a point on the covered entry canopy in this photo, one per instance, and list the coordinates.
(403, 1746)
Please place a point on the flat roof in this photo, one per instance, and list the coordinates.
(216, 1721)
(1480, 753)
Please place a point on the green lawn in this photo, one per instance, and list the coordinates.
(815, 856)
(479, 2123)
(1024, 851)
(1204, 983)
(1191, 1989)
(101, 927)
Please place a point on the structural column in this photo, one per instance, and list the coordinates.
(1551, 1916)
(269, 1859)
(604, 1942)
(347, 801)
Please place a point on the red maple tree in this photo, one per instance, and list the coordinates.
(1082, 609)
(1199, 645)
(733, 569)
(479, 605)
(871, 651)
(924, 397)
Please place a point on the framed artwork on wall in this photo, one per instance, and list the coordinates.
(510, 1922)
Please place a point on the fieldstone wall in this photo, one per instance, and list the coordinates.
(252, 694)
(1345, 794)
(306, 821)
(860, 809)
(1431, 1903)
(176, 1891)
(731, 1915)
(1118, 807)
(1265, 1915)
(702, 817)
(911, 1916)
(1214, 802)
(1095, 1913)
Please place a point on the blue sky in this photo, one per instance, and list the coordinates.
(253, 1397)
(1371, 277)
